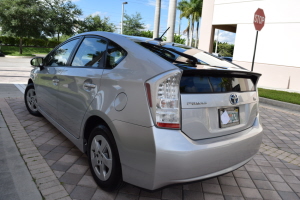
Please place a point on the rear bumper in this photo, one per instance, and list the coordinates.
(175, 158)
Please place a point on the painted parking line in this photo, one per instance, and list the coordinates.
(21, 87)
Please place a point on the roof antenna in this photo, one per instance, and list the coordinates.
(160, 38)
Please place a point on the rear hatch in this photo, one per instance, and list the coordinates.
(217, 102)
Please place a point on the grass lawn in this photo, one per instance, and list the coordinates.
(289, 97)
(27, 51)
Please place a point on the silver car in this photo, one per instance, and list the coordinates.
(147, 112)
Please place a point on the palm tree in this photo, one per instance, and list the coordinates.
(157, 19)
(182, 6)
(191, 10)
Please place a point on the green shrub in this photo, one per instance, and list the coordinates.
(41, 42)
(12, 41)
(25, 41)
(53, 44)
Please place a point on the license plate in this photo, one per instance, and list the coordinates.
(229, 117)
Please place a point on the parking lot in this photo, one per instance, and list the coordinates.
(274, 173)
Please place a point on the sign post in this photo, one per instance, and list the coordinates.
(259, 22)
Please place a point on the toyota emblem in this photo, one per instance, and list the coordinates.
(233, 98)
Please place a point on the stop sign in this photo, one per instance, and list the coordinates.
(259, 19)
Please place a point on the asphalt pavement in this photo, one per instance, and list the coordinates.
(14, 70)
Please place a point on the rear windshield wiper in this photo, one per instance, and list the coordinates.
(193, 60)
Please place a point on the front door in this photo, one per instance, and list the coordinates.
(80, 82)
(48, 78)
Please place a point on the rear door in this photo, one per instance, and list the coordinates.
(217, 102)
(80, 82)
(47, 79)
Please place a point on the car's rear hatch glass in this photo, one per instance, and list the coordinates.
(197, 83)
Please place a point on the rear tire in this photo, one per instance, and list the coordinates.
(31, 100)
(104, 159)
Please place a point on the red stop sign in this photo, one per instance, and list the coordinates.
(259, 19)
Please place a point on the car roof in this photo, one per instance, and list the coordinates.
(111, 35)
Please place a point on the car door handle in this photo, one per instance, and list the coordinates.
(89, 85)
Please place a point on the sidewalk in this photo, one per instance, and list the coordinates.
(15, 180)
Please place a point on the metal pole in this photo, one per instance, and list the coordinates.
(122, 16)
(157, 19)
(254, 51)
(217, 42)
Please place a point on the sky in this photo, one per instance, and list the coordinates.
(113, 10)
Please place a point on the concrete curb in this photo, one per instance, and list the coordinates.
(286, 105)
(20, 56)
(16, 181)
(43, 176)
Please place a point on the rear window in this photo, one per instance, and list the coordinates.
(174, 54)
(215, 84)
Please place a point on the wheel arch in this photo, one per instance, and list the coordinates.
(29, 81)
(90, 123)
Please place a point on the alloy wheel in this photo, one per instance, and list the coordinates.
(101, 157)
(31, 100)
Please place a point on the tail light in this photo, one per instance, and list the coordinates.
(164, 99)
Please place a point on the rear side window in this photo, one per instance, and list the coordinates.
(115, 54)
(211, 84)
(90, 52)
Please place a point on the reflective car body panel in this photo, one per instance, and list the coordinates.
(202, 121)
(46, 85)
(163, 157)
(150, 157)
(77, 89)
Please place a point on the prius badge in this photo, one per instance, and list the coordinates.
(234, 99)
(196, 103)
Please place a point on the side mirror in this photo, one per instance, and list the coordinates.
(37, 62)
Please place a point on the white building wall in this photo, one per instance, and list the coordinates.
(278, 45)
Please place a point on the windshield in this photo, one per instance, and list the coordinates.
(181, 54)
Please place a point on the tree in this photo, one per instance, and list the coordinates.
(178, 39)
(21, 18)
(157, 19)
(95, 23)
(191, 10)
(182, 6)
(62, 17)
(147, 34)
(224, 49)
(133, 24)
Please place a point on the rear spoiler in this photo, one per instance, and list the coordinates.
(223, 73)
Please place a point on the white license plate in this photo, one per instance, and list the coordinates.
(229, 117)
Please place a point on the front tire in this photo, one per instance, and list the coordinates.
(31, 100)
(104, 159)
